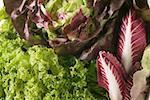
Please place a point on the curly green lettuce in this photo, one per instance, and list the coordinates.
(34, 73)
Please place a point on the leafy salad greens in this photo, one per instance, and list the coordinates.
(77, 27)
(48, 50)
(37, 73)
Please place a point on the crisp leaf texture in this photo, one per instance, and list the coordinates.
(34, 73)
(132, 41)
(111, 75)
(81, 23)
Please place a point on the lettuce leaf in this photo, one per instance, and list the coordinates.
(145, 59)
(36, 73)
(5, 21)
(63, 24)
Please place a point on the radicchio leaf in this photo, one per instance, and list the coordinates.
(129, 79)
(111, 75)
(132, 41)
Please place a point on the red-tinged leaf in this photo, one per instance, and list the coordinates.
(129, 82)
(78, 19)
(132, 41)
(111, 75)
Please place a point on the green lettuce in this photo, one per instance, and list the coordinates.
(146, 58)
(5, 22)
(36, 72)
(62, 11)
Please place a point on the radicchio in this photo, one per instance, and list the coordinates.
(132, 41)
(111, 75)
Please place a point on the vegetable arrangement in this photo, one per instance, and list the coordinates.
(36, 73)
(74, 50)
(112, 75)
